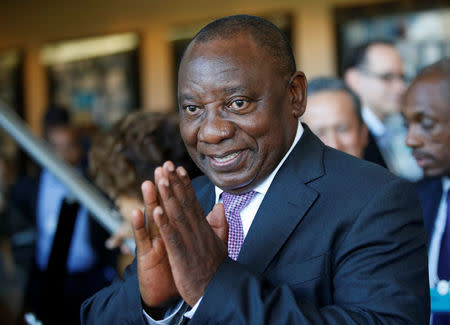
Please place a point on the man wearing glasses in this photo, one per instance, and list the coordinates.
(374, 71)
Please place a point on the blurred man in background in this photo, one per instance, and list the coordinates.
(427, 112)
(334, 114)
(375, 72)
(71, 261)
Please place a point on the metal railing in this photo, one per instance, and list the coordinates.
(88, 195)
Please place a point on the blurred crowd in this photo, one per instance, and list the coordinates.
(54, 255)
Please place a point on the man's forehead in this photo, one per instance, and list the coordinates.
(218, 45)
(428, 96)
(383, 56)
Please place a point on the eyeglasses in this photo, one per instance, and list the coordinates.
(386, 77)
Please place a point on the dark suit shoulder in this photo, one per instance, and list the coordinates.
(352, 170)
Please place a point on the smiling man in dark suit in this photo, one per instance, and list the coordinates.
(295, 232)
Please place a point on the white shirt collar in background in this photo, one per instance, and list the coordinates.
(436, 238)
(373, 122)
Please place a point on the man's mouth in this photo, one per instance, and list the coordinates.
(423, 159)
(227, 160)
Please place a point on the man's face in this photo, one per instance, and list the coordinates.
(381, 84)
(236, 111)
(331, 116)
(427, 113)
(65, 143)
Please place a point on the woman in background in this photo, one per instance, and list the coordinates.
(121, 159)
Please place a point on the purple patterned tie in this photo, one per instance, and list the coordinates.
(233, 207)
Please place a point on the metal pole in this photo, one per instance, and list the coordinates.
(101, 209)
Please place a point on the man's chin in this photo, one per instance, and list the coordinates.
(232, 185)
(434, 172)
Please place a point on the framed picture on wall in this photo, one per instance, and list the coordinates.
(419, 29)
(11, 93)
(96, 78)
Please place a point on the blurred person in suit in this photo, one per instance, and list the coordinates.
(374, 71)
(334, 114)
(426, 109)
(122, 158)
(281, 229)
(71, 262)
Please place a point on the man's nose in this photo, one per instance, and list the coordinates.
(215, 126)
(399, 85)
(413, 138)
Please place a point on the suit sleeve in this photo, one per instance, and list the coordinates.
(379, 275)
(120, 303)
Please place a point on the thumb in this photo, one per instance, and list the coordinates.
(218, 222)
(141, 237)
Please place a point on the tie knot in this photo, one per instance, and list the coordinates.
(235, 203)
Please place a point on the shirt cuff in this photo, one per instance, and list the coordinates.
(171, 314)
(189, 314)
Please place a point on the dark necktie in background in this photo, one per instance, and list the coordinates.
(55, 275)
(444, 264)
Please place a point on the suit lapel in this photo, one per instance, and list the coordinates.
(206, 195)
(430, 192)
(284, 205)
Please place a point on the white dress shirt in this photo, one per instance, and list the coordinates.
(247, 215)
(390, 136)
(436, 237)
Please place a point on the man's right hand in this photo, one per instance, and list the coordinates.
(155, 277)
(156, 283)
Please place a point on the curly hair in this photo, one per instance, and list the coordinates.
(123, 157)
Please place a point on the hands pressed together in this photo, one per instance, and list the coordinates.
(178, 249)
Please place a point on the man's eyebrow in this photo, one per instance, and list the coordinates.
(183, 97)
(232, 90)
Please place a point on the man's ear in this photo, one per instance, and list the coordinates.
(298, 88)
(352, 79)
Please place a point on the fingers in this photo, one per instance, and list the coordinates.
(143, 243)
(170, 202)
(125, 231)
(113, 242)
(150, 197)
(181, 188)
(218, 222)
(191, 198)
(170, 236)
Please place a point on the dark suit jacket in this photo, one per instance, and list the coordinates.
(372, 152)
(336, 240)
(429, 191)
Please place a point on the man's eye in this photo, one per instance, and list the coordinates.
(342, 128)
(427, 123)
(239, 104)
(191, 109)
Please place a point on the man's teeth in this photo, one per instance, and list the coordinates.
(226, 158)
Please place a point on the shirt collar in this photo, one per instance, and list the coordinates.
(263, 187)
(373, 122)
(445, 184)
